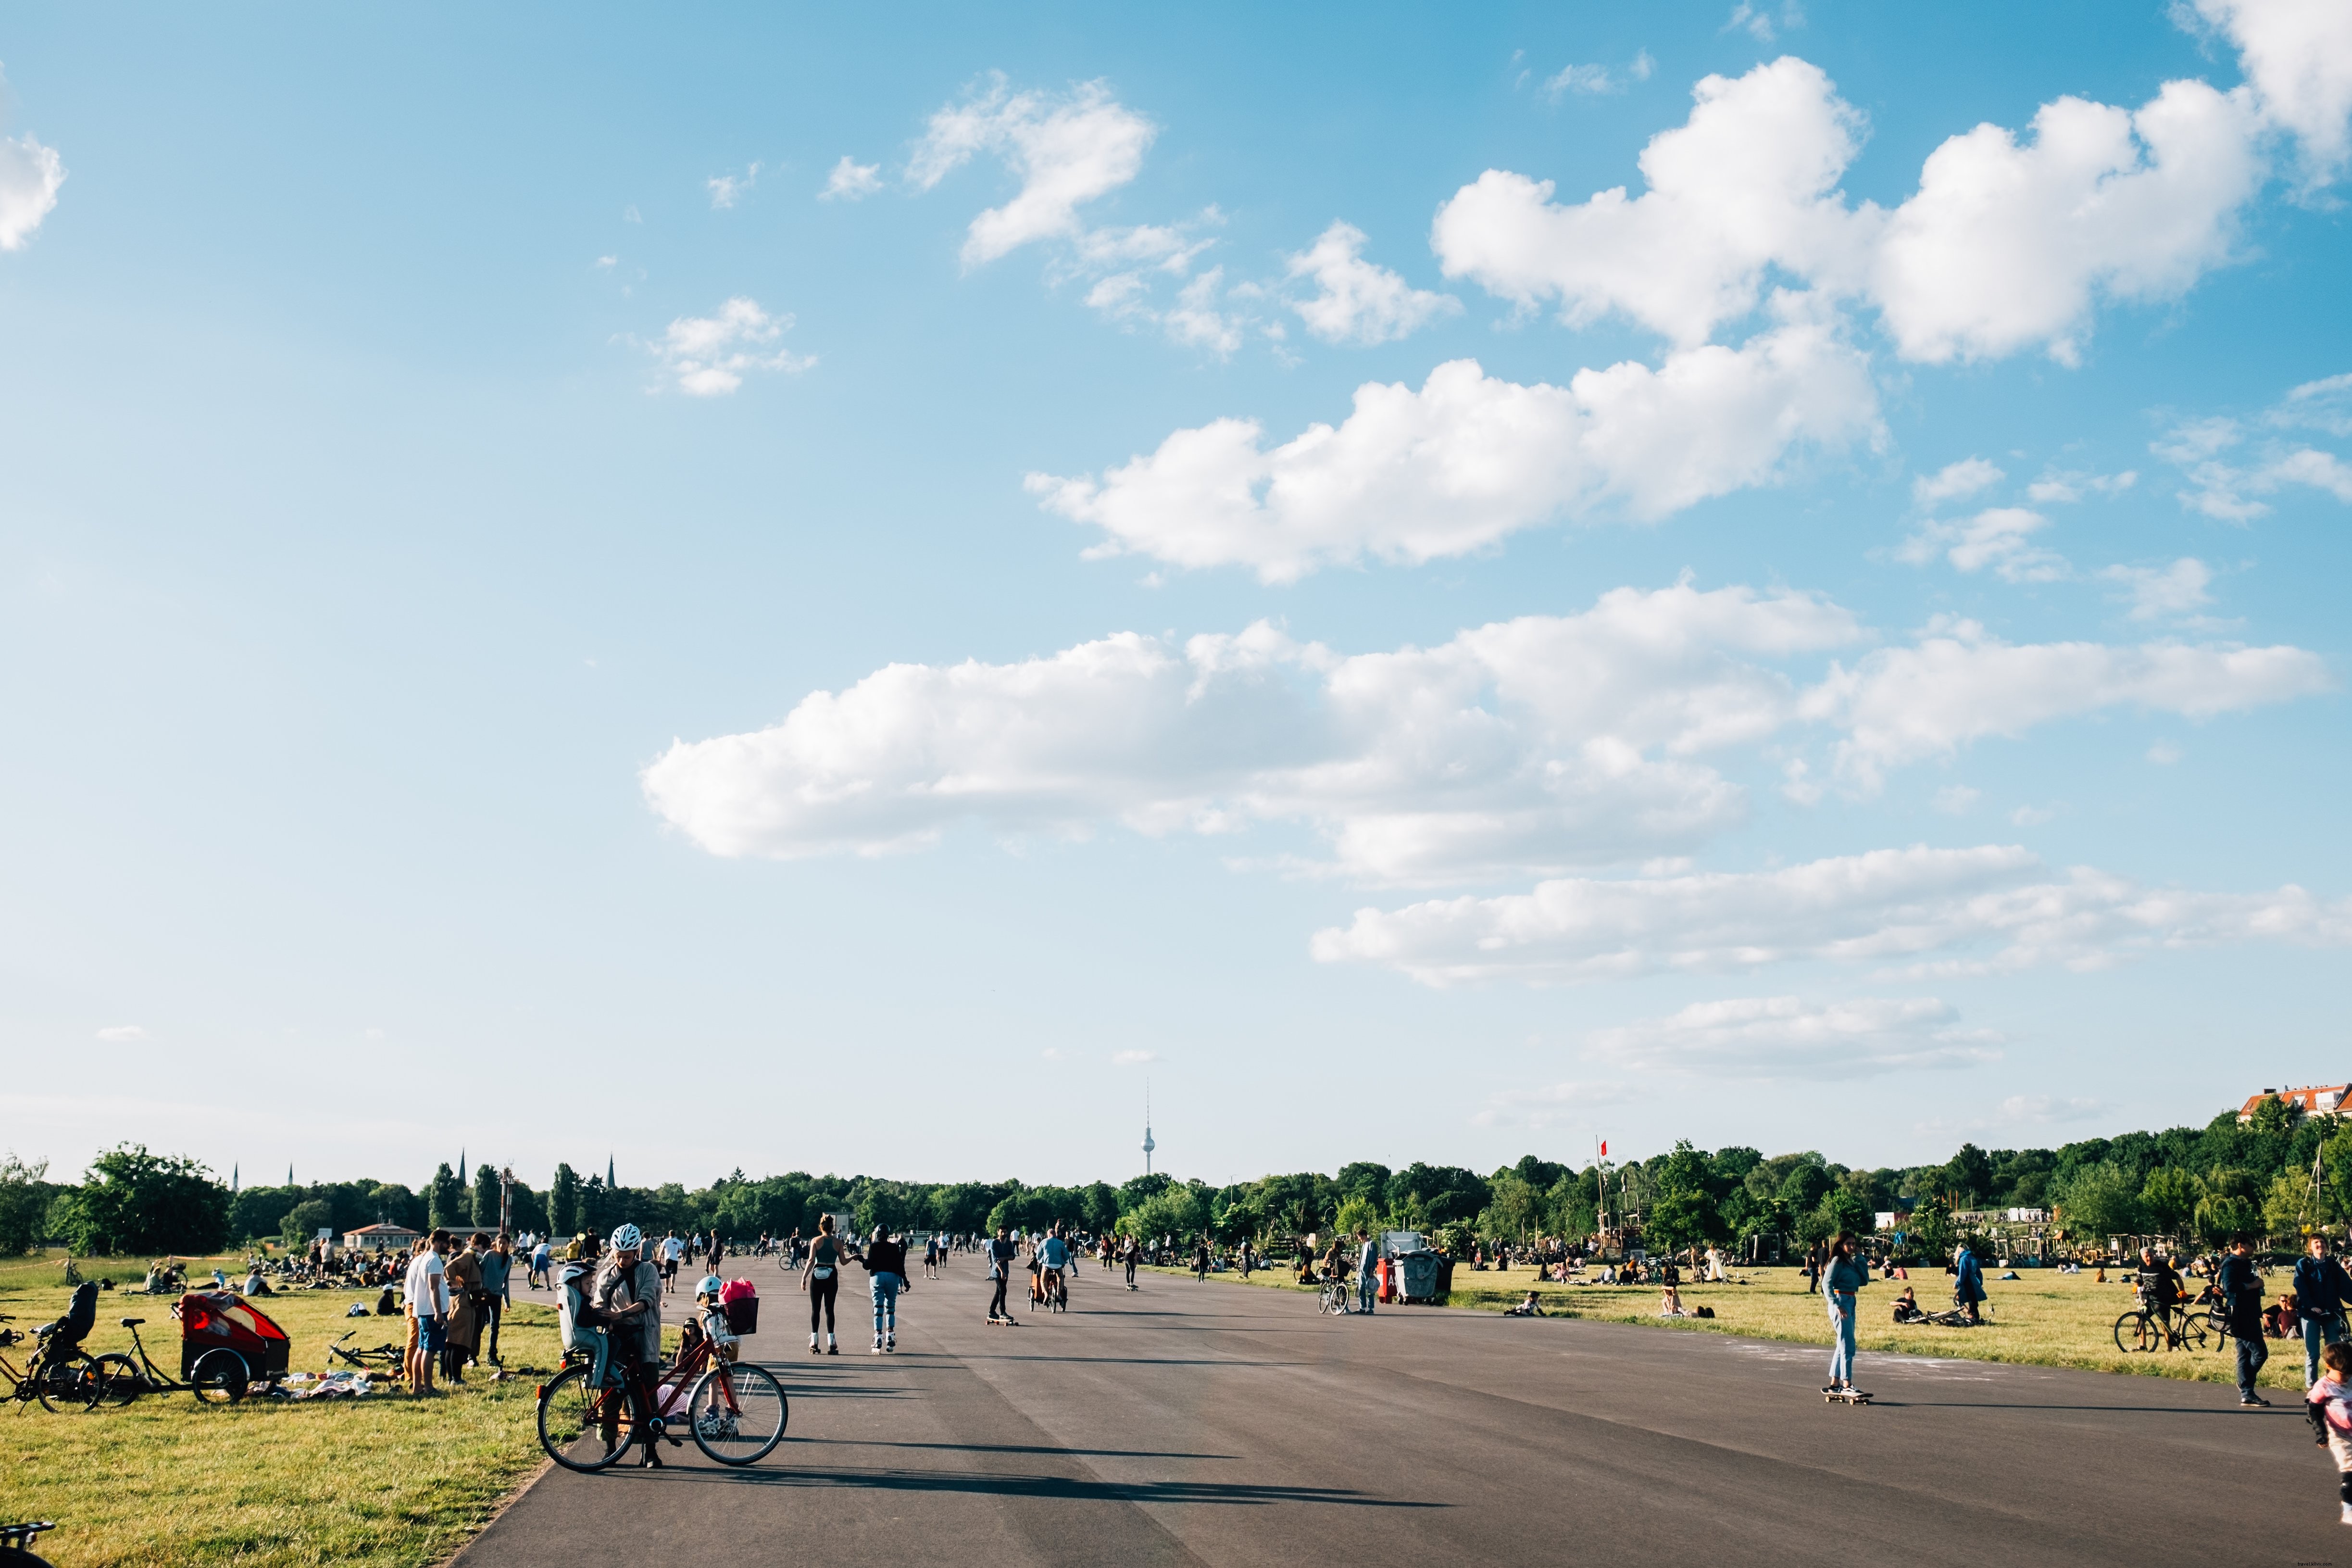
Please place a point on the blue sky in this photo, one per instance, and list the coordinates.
(763, 589)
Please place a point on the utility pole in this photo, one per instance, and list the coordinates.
(506, 1200)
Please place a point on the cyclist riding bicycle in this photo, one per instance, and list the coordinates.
(1055, 1253)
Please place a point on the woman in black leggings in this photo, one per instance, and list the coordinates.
(822, 1281)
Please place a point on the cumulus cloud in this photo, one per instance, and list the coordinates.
(1546, 741)
(1748, 182)
(121, 1033)
(1991, 907)
(2297, 57)
(709, 356)
(1996, 537)
(1785, 1036)
(1468, 458)
(1955, 481)
(851, 181)
(1355, 301)
(1956, 685)
(1065, 151)
(2062, 489)
(1587, 81)
(2006, 243)
(30, 176)
(1521, 747)
(2164, 593)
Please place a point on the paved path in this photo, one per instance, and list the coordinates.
(1194, 1423)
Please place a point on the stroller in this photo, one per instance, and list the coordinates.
(227, 1344)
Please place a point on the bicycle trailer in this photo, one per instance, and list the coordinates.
(227, 1343)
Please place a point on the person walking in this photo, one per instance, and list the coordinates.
(1968, 1285)
(1368, 1273)
(673, 1252)
(541, 1255)
(2321, 1290)
(1201, 1257)
(1129, 1251)
(1840, 1278)
(823, 1283)
(2241, 1285)
(1000, 1254)
(886, 1275)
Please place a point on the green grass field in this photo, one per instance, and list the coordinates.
(2043, 1317)
(383, 1481)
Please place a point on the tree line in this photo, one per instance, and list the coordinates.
(2277, 1173)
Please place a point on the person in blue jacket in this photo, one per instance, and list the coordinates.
(1969, 1290)
(2241, 1284)
(2321, 1290)
(1842, 1275)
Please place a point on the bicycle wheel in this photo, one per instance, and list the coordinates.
(2136, 1331)
(219, 1377)
(65, 1384)
(738, 1412)
(116, 1381)
(2189, 1333)
(579, 1424)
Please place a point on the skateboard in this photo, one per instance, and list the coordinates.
(1845, 1396)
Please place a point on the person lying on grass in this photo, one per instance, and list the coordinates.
(1526, 1309)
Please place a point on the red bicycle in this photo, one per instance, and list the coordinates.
(735, 1411)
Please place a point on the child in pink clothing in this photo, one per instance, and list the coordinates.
(2329, 1407)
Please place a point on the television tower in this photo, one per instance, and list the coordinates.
(1148, 1144)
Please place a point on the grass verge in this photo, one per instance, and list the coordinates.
(385, 1482)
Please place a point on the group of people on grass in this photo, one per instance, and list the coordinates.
(453, 1294)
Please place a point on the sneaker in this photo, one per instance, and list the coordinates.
(1829, 1388)
(2347, 1513)
(2252, 1399)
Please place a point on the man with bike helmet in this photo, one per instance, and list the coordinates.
(1054, 1252)
(627, 1295)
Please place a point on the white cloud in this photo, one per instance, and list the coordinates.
(1586, 80)
(30, 176)
(726, 190)
(851, 181)
(1760, 21)
(1134, 1059)
(1523, 747)
(710, 355)
(2058, 489)
(1550, 1105)
(1784, 1037)
(2034, 816)
(2162, 593)
(1992, 908)
(2298, 55)
(1955, 481)
(1956, 685)
(1065, 151)
(2164, 754)
(2045, 1108)
(1468, 458)
(1542, 742)
(2005, 245)
(2224, 487)
(1997, 537)
(121, 1033)
(1355, 301)
(1748, 182)
(1956, 800)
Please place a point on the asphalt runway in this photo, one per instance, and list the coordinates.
(1216, 1422)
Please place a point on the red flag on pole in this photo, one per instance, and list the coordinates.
(1604, 1148)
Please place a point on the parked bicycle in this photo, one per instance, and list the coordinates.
(16, 1545)
(735, 1411)
(386, 1357)
(54, 1380)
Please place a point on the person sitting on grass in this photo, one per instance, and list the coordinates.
(1526, 1309)
(1907, 1309)
(1670, 1302)
(2282, 1319)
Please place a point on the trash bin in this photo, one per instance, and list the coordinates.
(1416, 1276)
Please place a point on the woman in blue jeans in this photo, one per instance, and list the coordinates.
(886, 1272)
(1840, 1278)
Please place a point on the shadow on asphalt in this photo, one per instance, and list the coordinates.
(1030, 1449)
(1057, 1488)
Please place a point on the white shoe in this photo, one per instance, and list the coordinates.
(2347, 1513)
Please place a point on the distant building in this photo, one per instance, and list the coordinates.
(2312, 1099)
(2028, 1216)
(1886, 1219)
(379, 1238)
